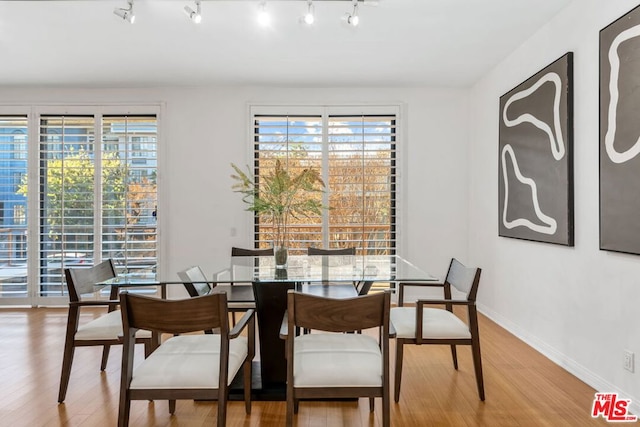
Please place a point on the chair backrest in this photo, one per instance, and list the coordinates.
(175, 316)
(342, 251)
(194, 281)
(251, 252)
(82, 280)
(338, 315)
(464, 279)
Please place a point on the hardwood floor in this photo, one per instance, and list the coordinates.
(522, 387)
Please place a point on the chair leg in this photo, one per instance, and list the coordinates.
(398, 375)
(372, 404)
(296, 405)
(247, 386)
(454, 356)
(105, 357)
(290, 408)
(67, 361)
(172, 406)
(124, 410)
(222, 407)
(477, 364)
(386, 408)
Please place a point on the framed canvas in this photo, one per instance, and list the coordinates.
(535, 161)
(619, 134)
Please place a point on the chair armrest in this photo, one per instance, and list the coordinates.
(421, 302)
(432, 284)
(284, 326)
(242, 323)
(401, 286)
(92, 303)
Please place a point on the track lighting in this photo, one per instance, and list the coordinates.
(263, 16)
(352, 18)
(308, 18)
(126, 14)
(195, 16)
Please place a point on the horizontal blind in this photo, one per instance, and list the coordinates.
(297, 142)
(129, 191)
(362, 182)
(13, 206)
(67, 185)
(357, 157)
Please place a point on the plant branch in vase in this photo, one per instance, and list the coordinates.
(279, 197)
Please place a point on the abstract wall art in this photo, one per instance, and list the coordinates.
(535, 160)
(620, 134)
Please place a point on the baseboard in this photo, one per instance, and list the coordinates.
(568, 364)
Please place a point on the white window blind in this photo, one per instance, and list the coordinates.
(97, 201)
(357, 157)
(129, 197)
(66, 178)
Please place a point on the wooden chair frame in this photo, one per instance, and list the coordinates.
(177, 317)
(81, 281)
(338, 315)
(456, 275)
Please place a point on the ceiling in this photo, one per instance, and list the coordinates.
(448, 43)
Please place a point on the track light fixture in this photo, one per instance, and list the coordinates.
(126, 14)
(308, 17)
(263, 16)
(352, 18)
(194, 15)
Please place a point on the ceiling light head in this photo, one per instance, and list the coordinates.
(194, 15)
(263, 15)
(309, 17)
(126, 14)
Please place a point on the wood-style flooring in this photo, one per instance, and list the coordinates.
(522, 387)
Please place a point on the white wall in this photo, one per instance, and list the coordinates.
(578, 305)
(203, 130)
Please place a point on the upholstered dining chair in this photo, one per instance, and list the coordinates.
(190, 366)
(195, 281)
(329, 363)
(104, 331)
(363, 287)
(243, 252)
(440, 325)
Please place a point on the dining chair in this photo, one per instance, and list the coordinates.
(329, 363)
(104, 331)
(190, 366)
(363, 287)
(196, 283)
(242, 252)
(430, 325)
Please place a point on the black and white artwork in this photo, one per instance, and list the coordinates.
(535, 161)
(619, 134)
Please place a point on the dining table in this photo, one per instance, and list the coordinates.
(256, 280)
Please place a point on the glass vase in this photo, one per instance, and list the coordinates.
(281, 254)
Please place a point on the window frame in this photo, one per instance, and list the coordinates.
(325, 111)
(34, 112)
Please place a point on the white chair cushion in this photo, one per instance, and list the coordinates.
(188, 361)
(336, 360)
(107, 327)
(436, 323)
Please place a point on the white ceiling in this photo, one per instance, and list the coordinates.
(398, 43)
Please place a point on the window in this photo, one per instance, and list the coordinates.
(95, 185)
(357, 156)
(13, 202)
